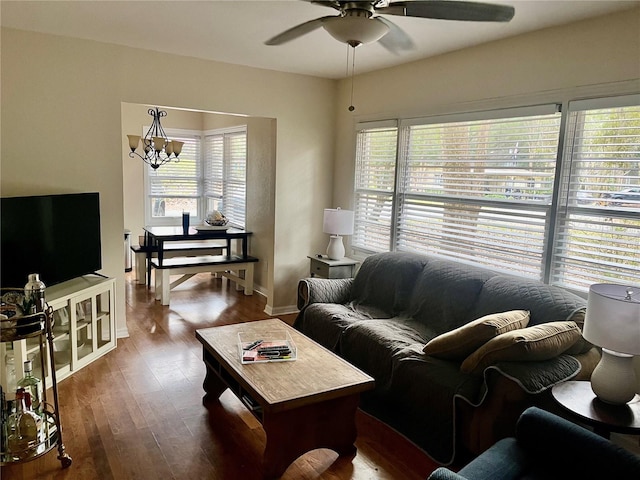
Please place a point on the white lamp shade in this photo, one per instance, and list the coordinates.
(613, 318)
(337, 221)
(355, 30)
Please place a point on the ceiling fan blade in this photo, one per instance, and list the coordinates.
(329, 4)
(397, 39)
(451, 10)
(297, 31)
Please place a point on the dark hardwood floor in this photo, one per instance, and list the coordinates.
(137, 412)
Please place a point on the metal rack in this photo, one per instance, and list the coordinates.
(21, 327)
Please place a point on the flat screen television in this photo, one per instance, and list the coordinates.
(57, 236)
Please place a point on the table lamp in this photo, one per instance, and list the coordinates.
(337, 222)
(613, 323)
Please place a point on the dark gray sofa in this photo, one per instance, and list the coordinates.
(381, 319)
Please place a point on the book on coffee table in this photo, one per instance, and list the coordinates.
(276, 346)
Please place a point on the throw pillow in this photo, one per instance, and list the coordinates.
(582, 345)
(459, 343)
(540, 342)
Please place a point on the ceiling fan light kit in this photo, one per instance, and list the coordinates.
(355, 30)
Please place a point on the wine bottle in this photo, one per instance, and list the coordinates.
(33, 386)
(25, 426)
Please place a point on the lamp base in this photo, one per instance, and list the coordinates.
(613, 380)
(335, 249)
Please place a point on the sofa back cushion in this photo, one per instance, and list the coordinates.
(446, 293)
(546, 303)
(386, 280)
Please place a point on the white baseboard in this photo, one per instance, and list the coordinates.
(122, 333)
(287, 309)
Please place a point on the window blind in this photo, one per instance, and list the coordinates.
(374, 188)
(497, 189)
(598, 233)
(225, 174)
(175, 186)
(178, 178)
(479, 191)
(234, 200)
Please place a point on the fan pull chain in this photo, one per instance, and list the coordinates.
(353, 69)
(346, 71)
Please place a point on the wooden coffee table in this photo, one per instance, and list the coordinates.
(304, 404)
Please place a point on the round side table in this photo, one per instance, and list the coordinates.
(578, 399)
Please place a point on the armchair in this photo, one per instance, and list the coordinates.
(548, 447)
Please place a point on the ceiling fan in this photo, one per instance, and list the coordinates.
(361, 22)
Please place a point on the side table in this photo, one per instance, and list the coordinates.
(578, 399)
(321, 266)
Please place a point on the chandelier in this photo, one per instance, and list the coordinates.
(158, 149)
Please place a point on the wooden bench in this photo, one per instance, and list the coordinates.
(182, 249)
(189, 266)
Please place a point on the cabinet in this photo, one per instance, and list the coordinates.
(83, 330)
(321, 266)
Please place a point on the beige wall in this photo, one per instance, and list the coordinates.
(61, 132)
(68, 96)
(589, 58)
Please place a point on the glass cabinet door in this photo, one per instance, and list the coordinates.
(85, 322)
(93, 329)
(62, 336)
(104, 326)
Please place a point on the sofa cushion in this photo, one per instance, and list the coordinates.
(540, 342)
(374, 345)
(463, 341)
(445, 294)
(546, 303)
(582, 345)
(385, 281)
(325, 322)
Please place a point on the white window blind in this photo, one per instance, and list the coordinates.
(176, 185)
(498, 190)
(478, 191)
(214, 167)
(225, 174)
(374, 187)
(598, 226)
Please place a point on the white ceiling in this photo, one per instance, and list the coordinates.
(234, 31)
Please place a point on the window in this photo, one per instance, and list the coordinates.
(210, 175)
(225, 173)
(175, 186)
(496, 189)
(374, 184)
(598, 227)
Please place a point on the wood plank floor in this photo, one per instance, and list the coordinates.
(137, 412)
